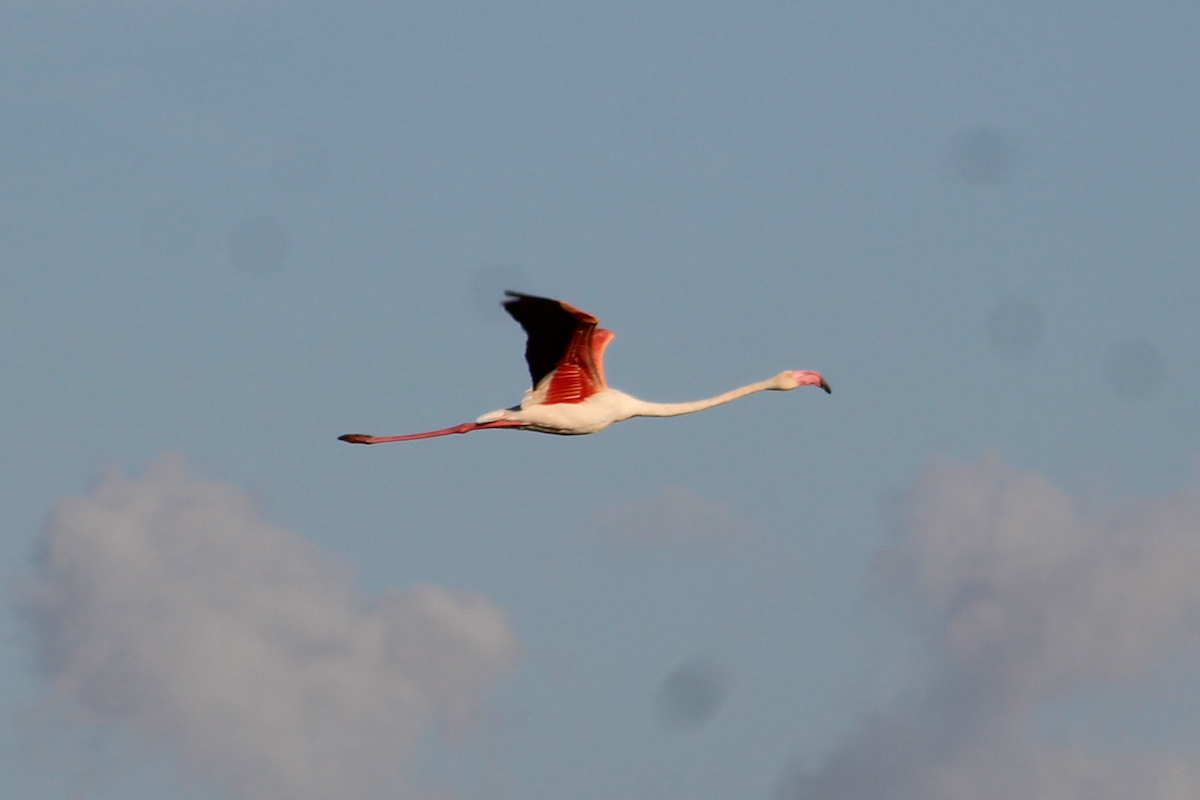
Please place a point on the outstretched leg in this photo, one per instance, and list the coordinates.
(466, 427)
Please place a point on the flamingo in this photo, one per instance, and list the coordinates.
(565, 353)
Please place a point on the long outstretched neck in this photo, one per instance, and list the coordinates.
(646, 409)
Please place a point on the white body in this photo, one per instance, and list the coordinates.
(609, 405)
(565, 354)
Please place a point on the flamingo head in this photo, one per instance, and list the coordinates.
(792, 378)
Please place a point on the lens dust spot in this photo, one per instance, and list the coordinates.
(982, 156)
(301, 165)
(487, 288)
(691, 694)
(258, 244)
(1136, 370)
(1015, 328)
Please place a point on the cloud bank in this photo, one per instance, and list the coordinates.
(1023, 601)
(674, 516)
(166, 608)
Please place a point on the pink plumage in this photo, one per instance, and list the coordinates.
(565, 352)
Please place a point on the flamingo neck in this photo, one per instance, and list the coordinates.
(647, 409)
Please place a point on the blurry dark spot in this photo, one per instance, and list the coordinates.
(691, 694)
(300, 166)
(488, 285)
(1136, 370)
(982, 156)
(1015, 327)
(258, 244)
(169, 232)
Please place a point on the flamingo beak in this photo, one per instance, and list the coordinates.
(825, 386)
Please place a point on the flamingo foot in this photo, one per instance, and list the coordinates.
(466, 427)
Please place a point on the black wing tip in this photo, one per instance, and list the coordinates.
(512, 299)
(515, 295)
(519, 300)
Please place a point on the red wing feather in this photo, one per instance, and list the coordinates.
(569, 384)
(580, 373)
(564, 349)
(600, 340)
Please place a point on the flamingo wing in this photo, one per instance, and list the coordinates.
(563, 347)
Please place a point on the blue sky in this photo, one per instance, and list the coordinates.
(231, 232)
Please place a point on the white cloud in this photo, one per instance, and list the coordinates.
(167, 608)
(1023, 601)
(674, 516)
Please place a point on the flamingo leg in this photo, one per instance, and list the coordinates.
(466, 427)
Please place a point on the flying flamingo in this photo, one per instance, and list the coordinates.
(565, 353)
